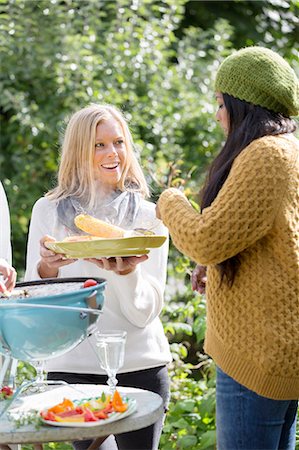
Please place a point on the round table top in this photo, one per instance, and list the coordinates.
(149, 409)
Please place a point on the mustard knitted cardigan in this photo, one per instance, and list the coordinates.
(252, 327)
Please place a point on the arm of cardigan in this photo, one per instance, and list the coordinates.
(242, 213)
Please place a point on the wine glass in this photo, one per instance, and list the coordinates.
(39, 383)
(111, 351)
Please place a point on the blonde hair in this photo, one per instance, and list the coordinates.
(76, 171)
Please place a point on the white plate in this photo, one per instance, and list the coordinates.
(113, 417)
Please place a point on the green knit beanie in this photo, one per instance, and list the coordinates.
(261, 77)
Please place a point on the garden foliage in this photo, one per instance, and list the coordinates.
(156, 60)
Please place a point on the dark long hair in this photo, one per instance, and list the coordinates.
(247, 122)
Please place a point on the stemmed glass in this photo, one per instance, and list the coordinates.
(39, 382)
(111, 351)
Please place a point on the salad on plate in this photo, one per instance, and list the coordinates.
(89, 411)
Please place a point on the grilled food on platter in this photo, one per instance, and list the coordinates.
(97, 227)
(77, 238)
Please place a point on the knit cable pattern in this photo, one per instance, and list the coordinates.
(253, 327)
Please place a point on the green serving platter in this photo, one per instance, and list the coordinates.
(96, 248)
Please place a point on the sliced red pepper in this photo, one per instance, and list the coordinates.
(108, 409)
(46, 415)
(100, 415)
(79, 409)
(89, 416)
(72, 412)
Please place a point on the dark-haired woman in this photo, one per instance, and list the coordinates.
(247, 237)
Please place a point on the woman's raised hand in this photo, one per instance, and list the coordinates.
(199, 279)
(9, 276)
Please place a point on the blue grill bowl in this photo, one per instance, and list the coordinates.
(42, 333)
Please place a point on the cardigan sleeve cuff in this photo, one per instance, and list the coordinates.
(168, 202)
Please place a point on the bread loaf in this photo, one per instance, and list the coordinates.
(97, 227)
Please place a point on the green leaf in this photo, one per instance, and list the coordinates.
(187, 441)
(208, 440)
(181, 424)
(187, 405)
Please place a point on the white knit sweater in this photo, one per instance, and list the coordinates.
(133, 302)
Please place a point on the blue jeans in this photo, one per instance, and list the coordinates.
(247, 421)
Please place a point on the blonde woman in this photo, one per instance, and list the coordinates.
(99, 174)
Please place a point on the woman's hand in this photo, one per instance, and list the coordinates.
(9, 275)
(119, 265)
(50, 262)
(199, 279)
